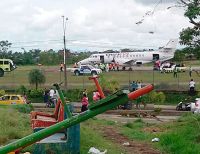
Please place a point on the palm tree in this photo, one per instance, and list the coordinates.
(36, 77)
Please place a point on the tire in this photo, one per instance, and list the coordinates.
(177, 108)
(1, 72)
(93, 73)
(77, 73)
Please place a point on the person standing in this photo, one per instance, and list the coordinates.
(175, 72)
(61, 67)
(84, 103)
(46, 97)
(51, 93)
(139, 85)
(107, 67)
(192, 87)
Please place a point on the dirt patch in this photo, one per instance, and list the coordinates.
(130, 146)
(153, 130)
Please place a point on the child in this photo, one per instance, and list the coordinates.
(84, 102)
(96, 96)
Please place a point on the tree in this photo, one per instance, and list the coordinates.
(4, 46)
(36, 77)
(191, 36)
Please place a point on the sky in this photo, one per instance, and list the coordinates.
(94, 25)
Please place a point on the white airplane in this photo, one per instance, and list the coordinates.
(134, 58)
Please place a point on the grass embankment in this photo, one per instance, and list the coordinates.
(91, 136)
(180, 137)
(16, 125)
(13, 124)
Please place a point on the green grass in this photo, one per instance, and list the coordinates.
(20, 77)
(16, 125)
(183, 137)
(92, 137)
(13, 125)
(180, 137)
(135, 131)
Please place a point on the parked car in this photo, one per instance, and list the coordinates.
(12, 99)
(86, 69)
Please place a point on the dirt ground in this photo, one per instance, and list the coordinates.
(131, 146)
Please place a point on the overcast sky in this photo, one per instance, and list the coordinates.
(91, 24)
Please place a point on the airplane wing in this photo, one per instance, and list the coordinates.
(130, 62)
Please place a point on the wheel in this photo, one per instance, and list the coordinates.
(94, 73)
(178, 108)
(77, 73)
(1, 72)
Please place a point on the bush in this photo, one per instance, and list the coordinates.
(35, 93)
(73, 95)
(22, 90)
(155, 97)
(2, 92)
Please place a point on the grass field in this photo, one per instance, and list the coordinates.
(20, 77)
(178, 137)
(15, 125)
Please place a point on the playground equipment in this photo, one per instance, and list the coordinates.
(99, 107)
(94, 78)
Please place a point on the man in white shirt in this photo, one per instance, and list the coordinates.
(51, 93)
(192, 86)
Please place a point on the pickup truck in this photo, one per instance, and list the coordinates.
(86, 69)
(171, 69)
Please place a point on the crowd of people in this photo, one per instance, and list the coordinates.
(135, 85)
(114, 66)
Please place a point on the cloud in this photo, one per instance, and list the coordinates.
(111, 24)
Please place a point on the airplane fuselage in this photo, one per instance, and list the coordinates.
(128, 58)
(132, 58)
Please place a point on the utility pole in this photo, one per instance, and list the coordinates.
(64, 41)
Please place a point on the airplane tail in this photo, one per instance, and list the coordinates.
(171, 44)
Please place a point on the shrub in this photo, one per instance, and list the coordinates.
(35, 93)
(2, 92)
(155, 97)
(73, 95)
(22, 89)
(110, 86)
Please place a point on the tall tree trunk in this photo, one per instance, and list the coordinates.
(36, 85)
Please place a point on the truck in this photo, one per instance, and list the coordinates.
(86, 69)
(6, 65)
(169, 68)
